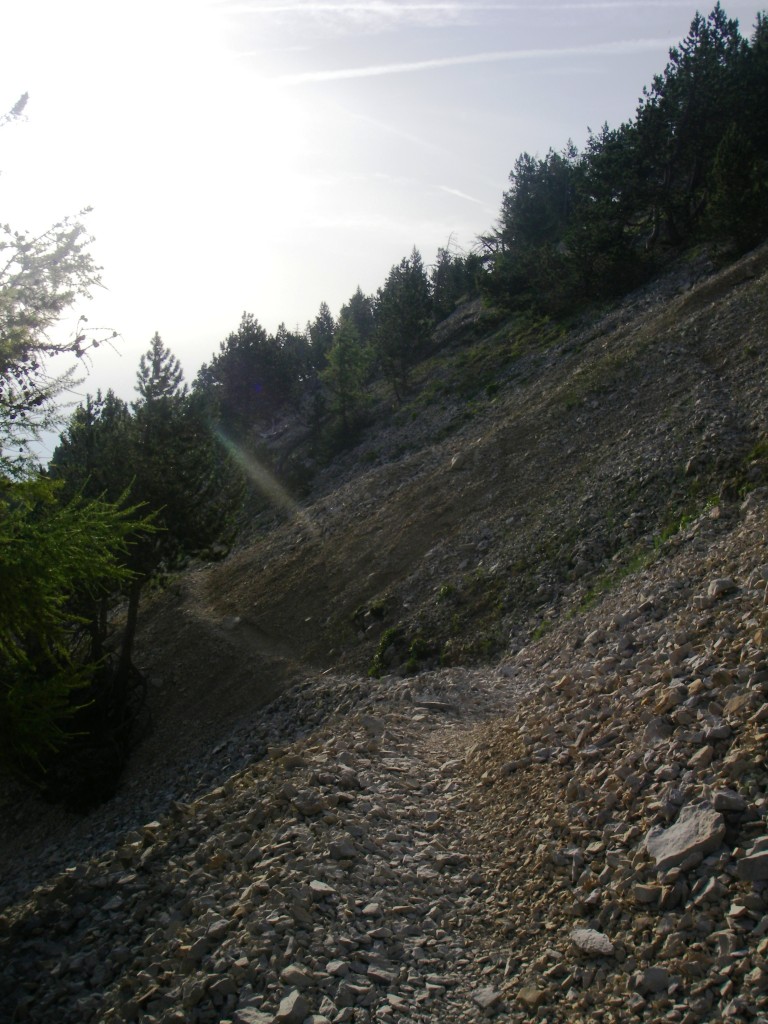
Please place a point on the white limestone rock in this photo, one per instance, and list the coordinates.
(293, 1009)
(592, 942)
(698, 831)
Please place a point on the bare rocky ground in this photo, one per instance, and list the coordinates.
(576, 830)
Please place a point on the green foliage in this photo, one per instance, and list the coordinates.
(536, 208)
(684, 116)
(738, 208)
(57, 559)
(167, 451)
(321, 332)
(638, 556)
(542, 629)
(529, 261)
(41, 276)
(255, 377)
(452, 280)
(345, 375)
(61, 556)
(362, 312)
(750, 472)
(160, 374)
(403, 320)
(397, 648)
(174, 460)
(95, 448)
(691, 166)
(421, 652)
(390, 638)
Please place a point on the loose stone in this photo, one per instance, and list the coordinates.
(697, 831)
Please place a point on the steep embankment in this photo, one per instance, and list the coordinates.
(431, 861)
(483, 516)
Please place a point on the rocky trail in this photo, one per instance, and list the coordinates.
(333, 876)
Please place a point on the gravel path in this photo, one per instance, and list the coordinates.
(338, 872)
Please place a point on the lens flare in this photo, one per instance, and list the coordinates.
(266, 482)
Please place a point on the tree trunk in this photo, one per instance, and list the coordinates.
(126, 648)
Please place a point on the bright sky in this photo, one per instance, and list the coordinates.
(266, 155)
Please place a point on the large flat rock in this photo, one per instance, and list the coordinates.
(697, 831)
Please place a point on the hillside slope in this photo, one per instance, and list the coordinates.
(487, 516)
(528, 553)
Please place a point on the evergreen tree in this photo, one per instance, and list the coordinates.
(159, 374)
(683, 118)
(603, 257)
(528, 263)
(181, 469)
(453, 280)
(754, 89)
(254, 377)
(57, 557)
(361, 310)
(294, 363)
(403, 320)
(168, 455)
(738, 206)
(345, 375)
(41, 276)
(96, 458)
(691, 166)
(95, 452)
(321, 331)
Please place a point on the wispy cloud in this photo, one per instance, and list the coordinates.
(378, 8)
(396, 131)
(459, 194)
(614, 49)
(604, 5)
(372, 17)
(393, 9)
(372, 14)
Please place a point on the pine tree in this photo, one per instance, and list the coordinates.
(404, 320)
(40, 278)
(683, 118)
(180, 468)
(345, 375)
(95, 450)
(452, 281)
(57, 560)
(160, 374)
(255, 376)
(57, 556)
(361, 310)
(738, 205)
(321, 331)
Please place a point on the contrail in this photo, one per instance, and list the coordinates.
(461, 195)
(388, 9)
(375, 70)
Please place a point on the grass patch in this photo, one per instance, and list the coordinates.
(399, 649)
(637, 559)
(542, 629)
(476, 370)
(640, 557)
